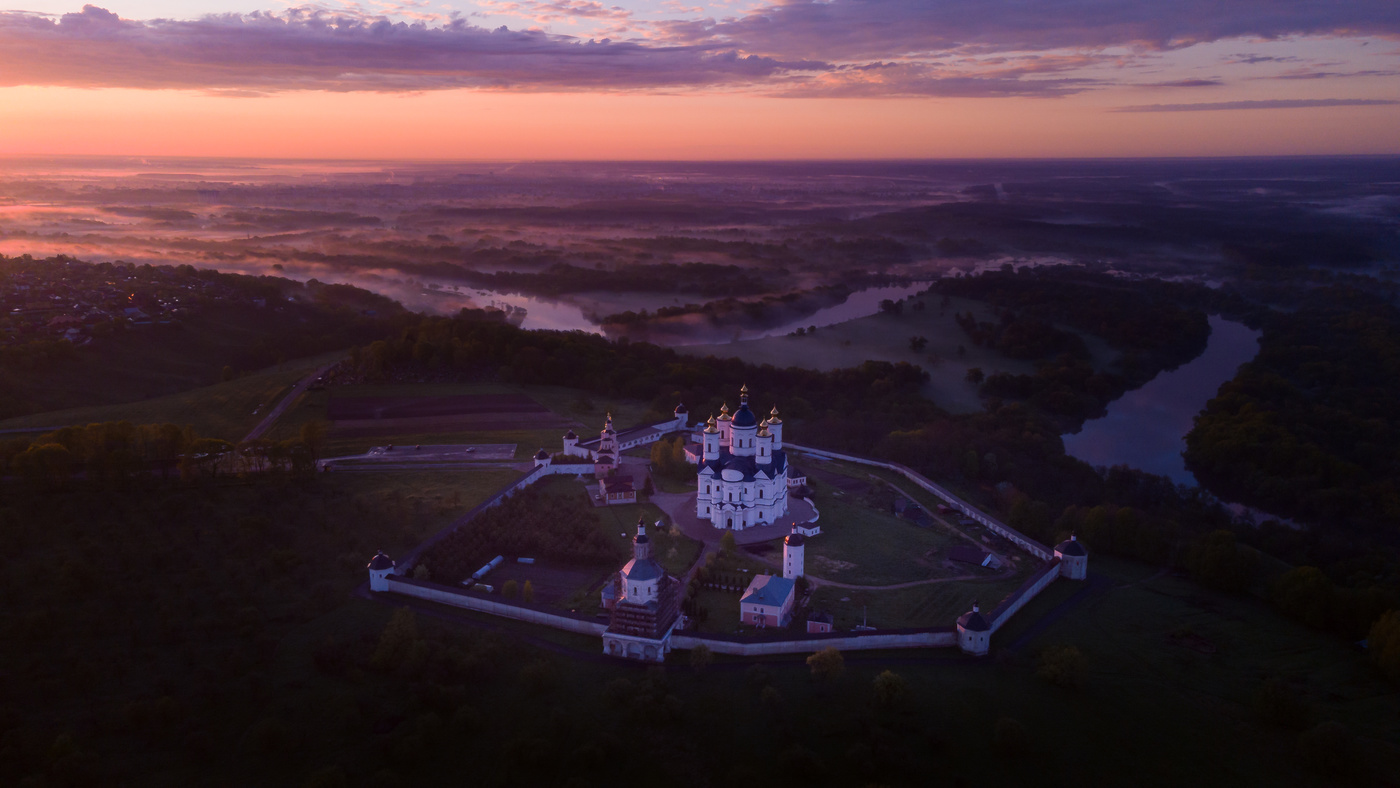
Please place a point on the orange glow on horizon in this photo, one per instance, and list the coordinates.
(462, 124)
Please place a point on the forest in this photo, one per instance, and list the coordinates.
(1309, 428)
(561, 529)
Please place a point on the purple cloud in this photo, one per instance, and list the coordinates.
(316, 49)
(787, 47)
(855, 29)
(1309, 74)
(1263, 104)
(1185, 83)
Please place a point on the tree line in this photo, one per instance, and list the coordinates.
(118, 453)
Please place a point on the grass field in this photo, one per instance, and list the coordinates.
(448, 493)
(723, 610)
(884, 337)
(934, 605)
(924, 498)
(527, 442)
(861, 545)
(668, 485)
(224, 410)
(565, 402)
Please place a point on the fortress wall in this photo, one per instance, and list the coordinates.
(1028, 591)
(868, 642)
(931, 638)
(451, 596)
(973, 513)
(568, 470)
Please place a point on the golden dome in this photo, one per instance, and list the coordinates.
(724, 412)
(710, 425)
(774, 416)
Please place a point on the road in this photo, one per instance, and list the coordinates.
(276, 413)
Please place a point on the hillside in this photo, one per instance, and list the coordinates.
(75, 335)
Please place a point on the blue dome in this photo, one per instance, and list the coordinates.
(744, 417)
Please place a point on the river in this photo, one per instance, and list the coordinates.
(1146, 428)
(563, 315)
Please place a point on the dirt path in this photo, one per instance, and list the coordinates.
(276, 413)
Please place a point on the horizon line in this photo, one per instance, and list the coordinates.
(754, 160)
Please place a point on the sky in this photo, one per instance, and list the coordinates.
(672, 79)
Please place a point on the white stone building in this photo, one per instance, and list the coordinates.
(793, 549)
(742, 479)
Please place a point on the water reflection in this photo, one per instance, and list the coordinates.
(1146, 428)
(862, 303)
(563, 315)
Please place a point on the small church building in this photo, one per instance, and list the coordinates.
(645, 606)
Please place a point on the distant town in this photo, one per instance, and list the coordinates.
(76, 301)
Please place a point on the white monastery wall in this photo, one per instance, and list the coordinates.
(1028, 591)
(451, 596)
(933, 638)
(928, 639)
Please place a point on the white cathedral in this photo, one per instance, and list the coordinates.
(743, 469)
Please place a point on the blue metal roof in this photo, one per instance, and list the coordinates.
(768, 590)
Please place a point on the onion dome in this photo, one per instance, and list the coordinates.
(744, 417)
(607, 426)
(974, 621)
(1071, 547)
(380, 562)
(724, 412)
(710, 427)
(744, 394)
(773, 416)
(763, 431)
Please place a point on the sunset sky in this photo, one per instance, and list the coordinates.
(733, 79)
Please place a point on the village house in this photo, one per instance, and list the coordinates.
(768, 602)
(617, 490)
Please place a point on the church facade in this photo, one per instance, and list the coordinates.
(644, 605)
(742, 475)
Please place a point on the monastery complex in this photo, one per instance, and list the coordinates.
(743, 481)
